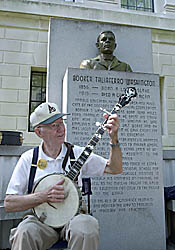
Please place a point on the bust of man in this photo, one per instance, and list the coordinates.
(106, 45)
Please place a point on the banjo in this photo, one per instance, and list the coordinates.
(58, 214)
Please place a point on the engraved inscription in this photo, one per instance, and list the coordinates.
(140, 139)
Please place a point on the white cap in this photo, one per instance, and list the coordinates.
(45, 113)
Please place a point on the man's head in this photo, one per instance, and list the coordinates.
(45, 113)
(48, 123)
(106, 42)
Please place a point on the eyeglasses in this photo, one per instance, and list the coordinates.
(54, 126)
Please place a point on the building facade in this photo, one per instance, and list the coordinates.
(24, 29)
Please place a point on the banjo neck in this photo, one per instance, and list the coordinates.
(123, 101)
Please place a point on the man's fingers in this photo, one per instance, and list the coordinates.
(60, 182)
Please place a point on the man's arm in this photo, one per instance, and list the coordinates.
(17, 203)
(114, 164)
(85, 64)
(128, 68)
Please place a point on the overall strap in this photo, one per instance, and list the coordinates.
(70, 153)
(33, 169)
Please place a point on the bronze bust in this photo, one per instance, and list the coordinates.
(106, 45)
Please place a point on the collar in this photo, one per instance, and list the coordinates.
(61, 155)
(114, 63)
(102, 58)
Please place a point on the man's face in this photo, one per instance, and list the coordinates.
(53, 132)
(106, 44)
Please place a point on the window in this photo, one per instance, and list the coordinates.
(142, 5)
(37, 91)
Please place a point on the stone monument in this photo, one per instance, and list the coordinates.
(129, 206)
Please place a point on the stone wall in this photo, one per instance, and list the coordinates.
(23, 45)
(169, 6)
(164, 65)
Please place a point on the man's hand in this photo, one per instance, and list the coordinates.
(17, 203)
(112, 126)
(55, 193)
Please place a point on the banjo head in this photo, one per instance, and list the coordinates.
(63, 211)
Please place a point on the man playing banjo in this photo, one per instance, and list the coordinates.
(81, 231)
